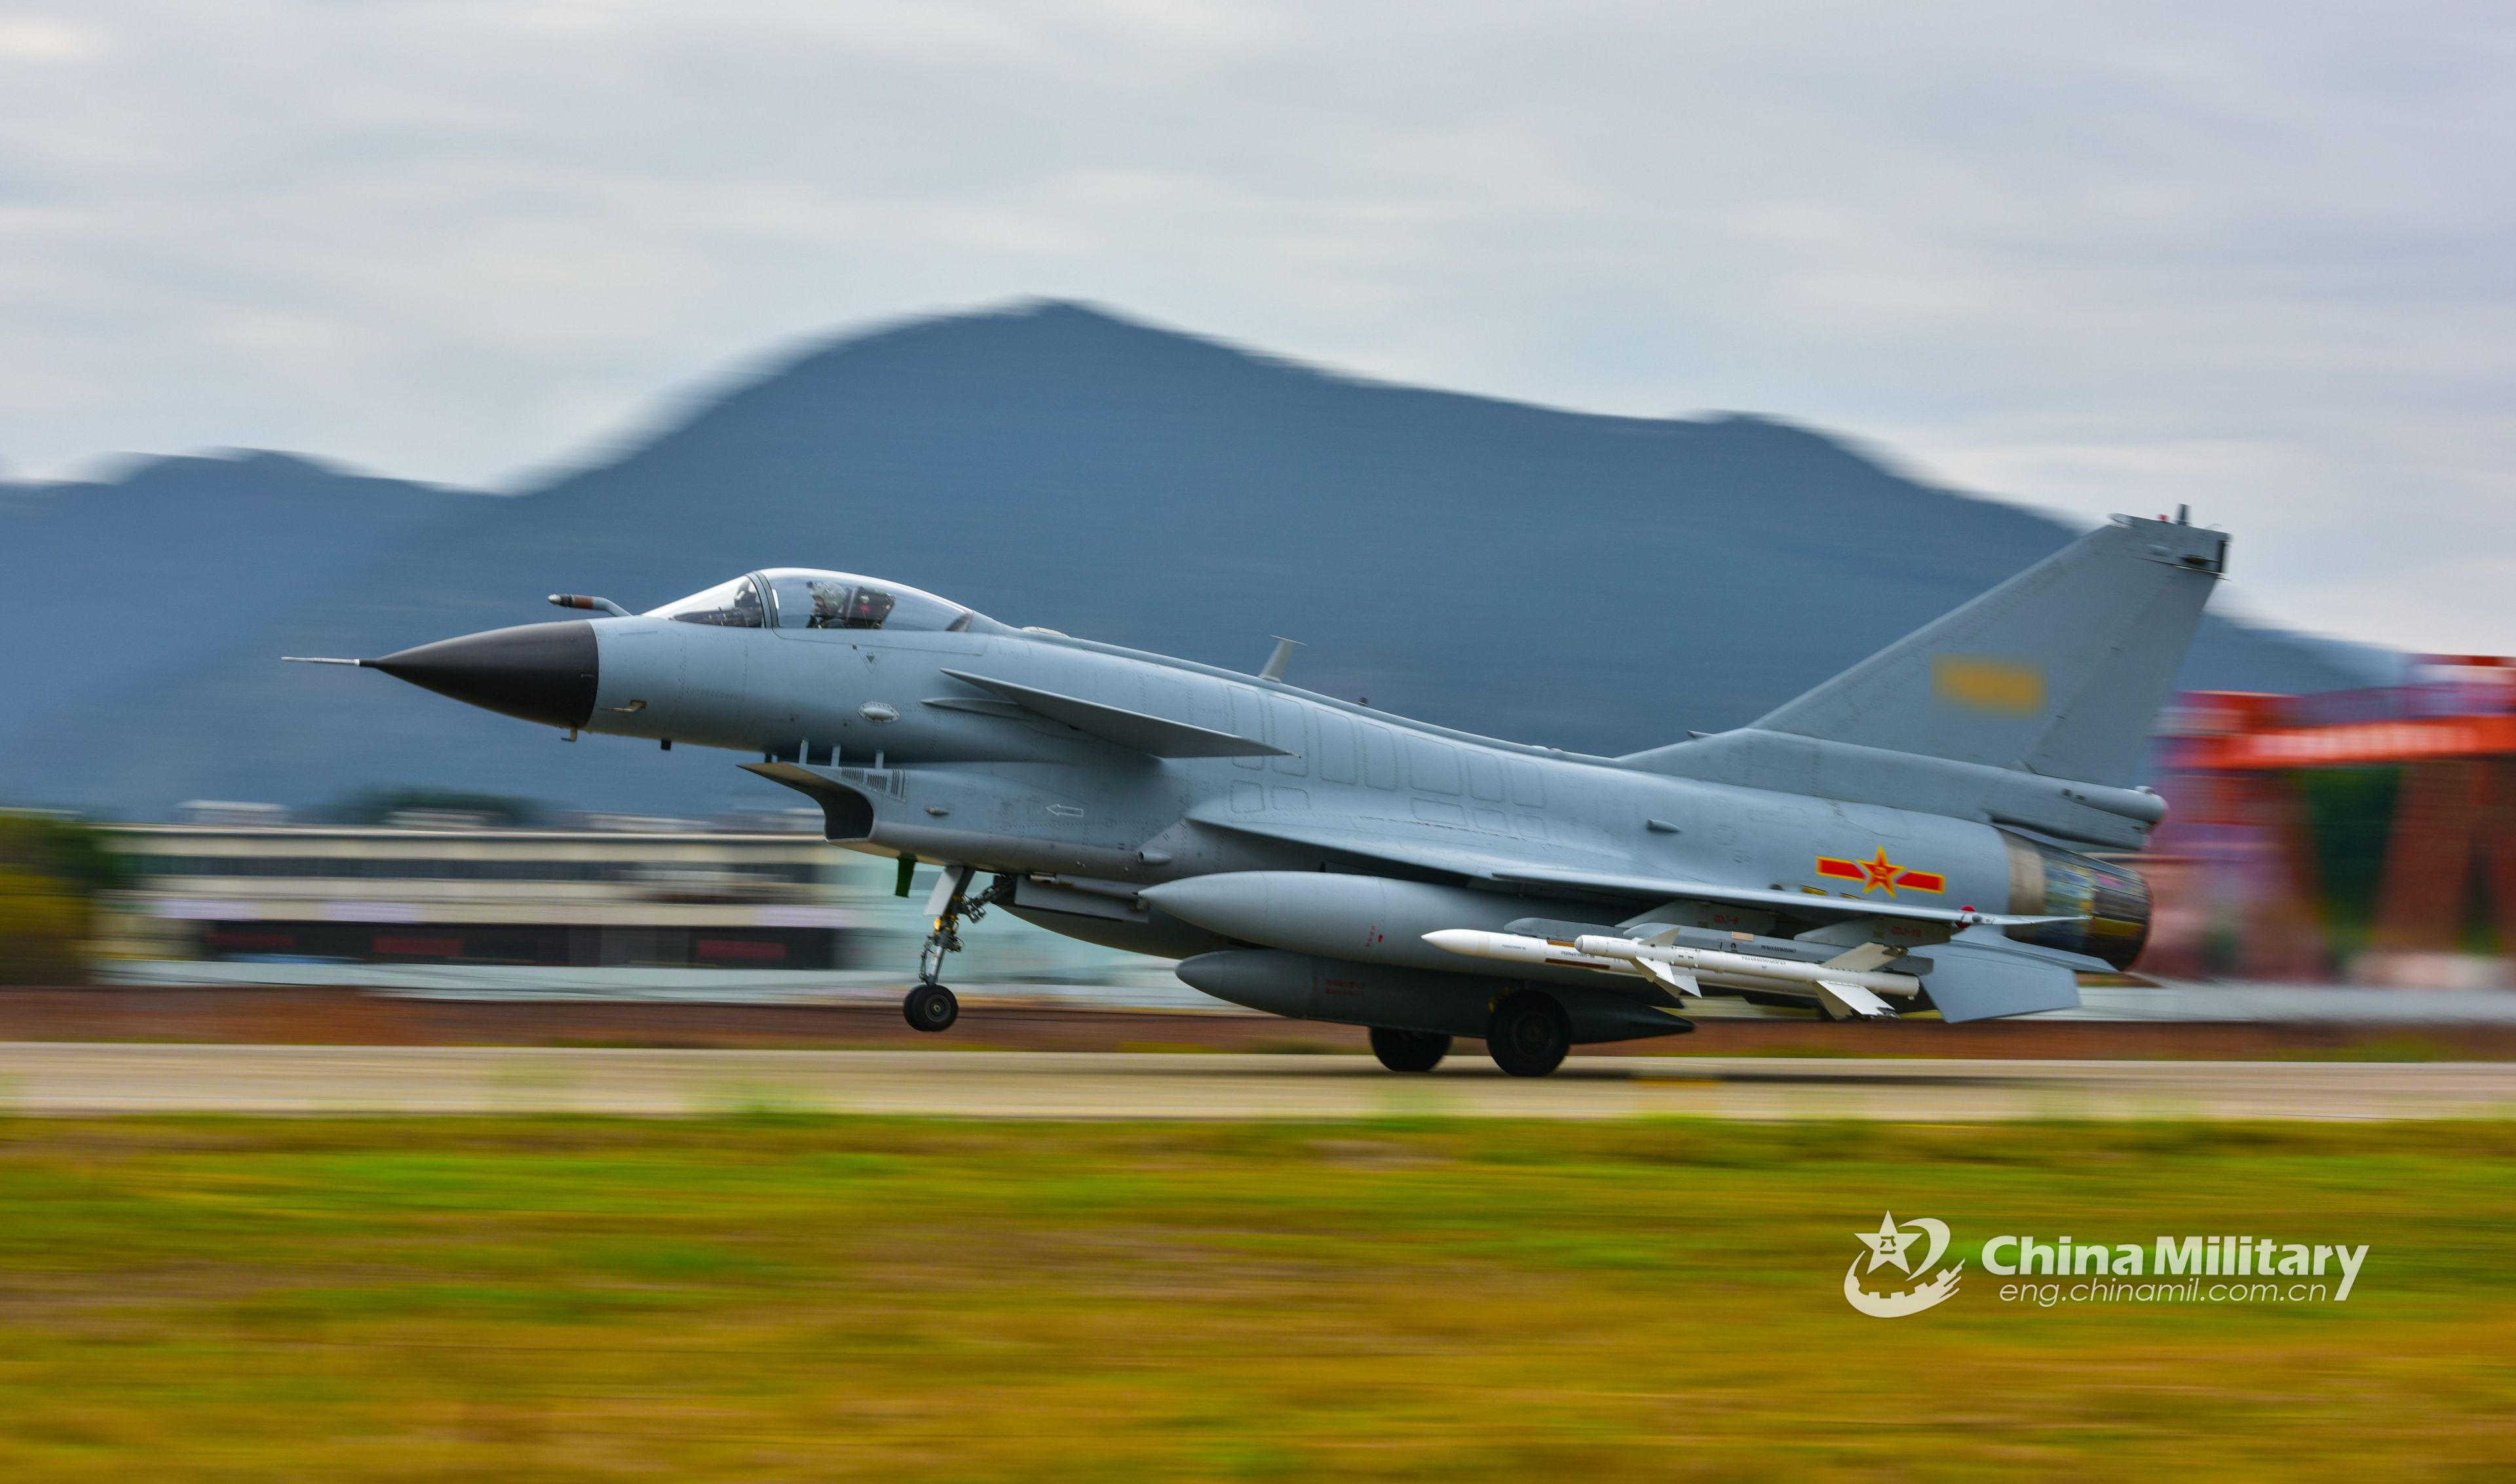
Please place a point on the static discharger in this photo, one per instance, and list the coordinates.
(1850, 983)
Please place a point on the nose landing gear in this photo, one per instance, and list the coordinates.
(931, 1006)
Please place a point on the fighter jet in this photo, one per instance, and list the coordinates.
(1920, 833)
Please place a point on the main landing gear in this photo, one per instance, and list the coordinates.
(1528, 1034)
(930, 1006)
(1408, 1051)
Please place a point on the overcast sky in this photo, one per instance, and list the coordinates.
(2256, 258)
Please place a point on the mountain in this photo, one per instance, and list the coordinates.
(171, 558)
(1598, 583)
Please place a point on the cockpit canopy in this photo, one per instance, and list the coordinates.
(802, 596)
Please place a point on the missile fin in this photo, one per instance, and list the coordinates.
(1851, 1000)
(1670, 976)
(1861, 958)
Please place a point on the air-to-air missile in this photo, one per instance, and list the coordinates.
(1849, 984)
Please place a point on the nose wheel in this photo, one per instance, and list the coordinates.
(930, 1006)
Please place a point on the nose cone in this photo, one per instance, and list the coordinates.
(542, 672)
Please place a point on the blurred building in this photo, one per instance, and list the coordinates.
(2365, 835)
(551, 898)
(617, 905)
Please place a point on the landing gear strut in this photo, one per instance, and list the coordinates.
(931, 1006)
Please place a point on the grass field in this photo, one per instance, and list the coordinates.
(791, 1297)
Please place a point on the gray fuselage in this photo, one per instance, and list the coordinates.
(910, 761)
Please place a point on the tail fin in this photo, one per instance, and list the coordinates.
(2058, 671)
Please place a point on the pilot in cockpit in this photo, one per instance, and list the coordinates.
(835, 605)
(793, 598)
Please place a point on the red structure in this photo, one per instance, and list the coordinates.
(2237, 857)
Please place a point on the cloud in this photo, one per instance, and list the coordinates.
(38, 38)
(2094, 257)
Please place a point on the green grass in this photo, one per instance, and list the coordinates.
(781, 1295)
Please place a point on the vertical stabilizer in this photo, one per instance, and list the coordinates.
(2058, 671)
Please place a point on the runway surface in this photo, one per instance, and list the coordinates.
(94, 1078)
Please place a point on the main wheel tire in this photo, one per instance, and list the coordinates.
(1408, 1051)
(931, 1007)
(1527, 1036)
